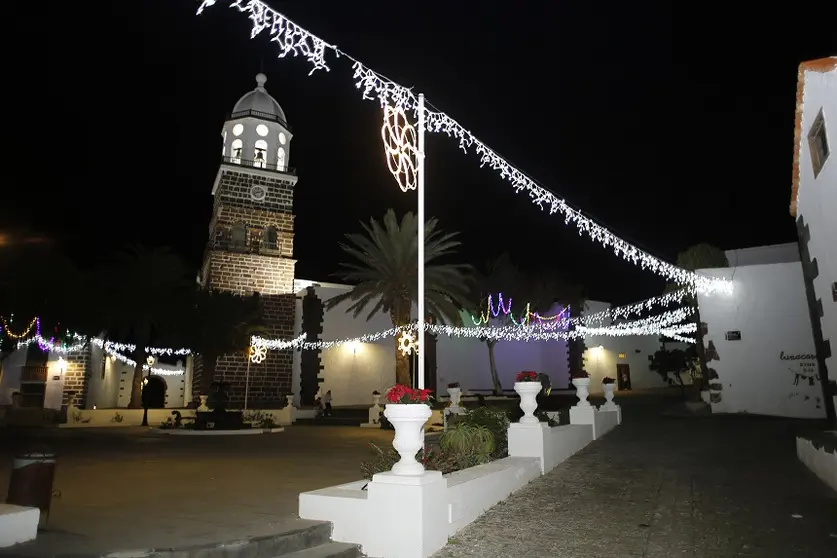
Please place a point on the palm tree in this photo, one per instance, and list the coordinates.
(144, 292)
(385, 272)
(498, 276)
(536, 294)
(699, 256)
(221, 323)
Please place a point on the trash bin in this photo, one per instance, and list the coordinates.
(30, 483)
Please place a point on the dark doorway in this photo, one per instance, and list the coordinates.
(154, 392)
(623, 376)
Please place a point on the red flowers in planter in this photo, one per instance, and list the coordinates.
(407, 395)
(608, 380)
(526, 376)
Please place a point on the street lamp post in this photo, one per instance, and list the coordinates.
(150, 362)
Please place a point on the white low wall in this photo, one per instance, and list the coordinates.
(412, 517)
(473, 491)
(87, 418)
(822, 463)
(18, 524)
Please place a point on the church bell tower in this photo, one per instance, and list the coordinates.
(250, 248)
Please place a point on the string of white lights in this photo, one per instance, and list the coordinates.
(653, 325)
(295, 40)
(664, 300)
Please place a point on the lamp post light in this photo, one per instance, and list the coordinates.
(150, 362)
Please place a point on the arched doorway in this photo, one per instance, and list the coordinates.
(154, 392)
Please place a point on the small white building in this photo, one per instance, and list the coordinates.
(814, 205)
(758, 338)
(625, 359)
(87, 378)
(352, 371)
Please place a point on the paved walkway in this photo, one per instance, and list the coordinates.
(123, 488)
(656, 487)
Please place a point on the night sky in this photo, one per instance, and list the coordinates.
(669, 127)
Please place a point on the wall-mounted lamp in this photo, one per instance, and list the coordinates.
(353, 346)
(62, 365)
(150, 360)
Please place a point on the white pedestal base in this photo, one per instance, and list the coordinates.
(410, 515)
(18, 524)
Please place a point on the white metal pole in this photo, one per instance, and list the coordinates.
(420, 191)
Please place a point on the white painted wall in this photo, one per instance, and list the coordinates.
(602, 354)
(121, 374)
(353, 372)
(762, 255)
(769, 308)
(817, 198)
(466, 360)
(10, 377)
(10, 381)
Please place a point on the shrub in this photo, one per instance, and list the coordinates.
(260, 420)
(467, 444)
(496, 421)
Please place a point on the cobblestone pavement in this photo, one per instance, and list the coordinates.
(657, 487)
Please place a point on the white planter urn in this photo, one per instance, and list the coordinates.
(455, 394)
(528, 392)
(290, 398)
(608, 393)
(408, 421)
(202, 407)
(582, 391)
(375, 409)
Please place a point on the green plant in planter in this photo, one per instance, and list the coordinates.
(469, 444)
(495, 421)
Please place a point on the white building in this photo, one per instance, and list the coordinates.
(814, 204)
(87, 378)
(352, 371)
(758, 337)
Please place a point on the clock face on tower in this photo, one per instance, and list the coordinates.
(258, 193)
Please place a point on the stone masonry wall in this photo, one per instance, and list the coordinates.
(248, 273)
(254, 266)
(76, 379)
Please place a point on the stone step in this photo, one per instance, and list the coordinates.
(328, 550)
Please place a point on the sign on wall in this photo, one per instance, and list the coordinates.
(733, 336)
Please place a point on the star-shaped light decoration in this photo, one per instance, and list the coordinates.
(407, 343)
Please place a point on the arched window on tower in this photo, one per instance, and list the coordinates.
(238, 235)
(235, 152)
(260, 154)
(224, 144)
(270, 238)
(280, 159)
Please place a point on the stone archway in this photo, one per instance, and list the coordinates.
(154, 392)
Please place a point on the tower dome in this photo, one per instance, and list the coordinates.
(256, 134)
(258, 102)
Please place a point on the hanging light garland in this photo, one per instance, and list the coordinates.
(35, 323)
(295, 40)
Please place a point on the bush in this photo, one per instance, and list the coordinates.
(467, 444)
(495, 421)
(259, 419)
